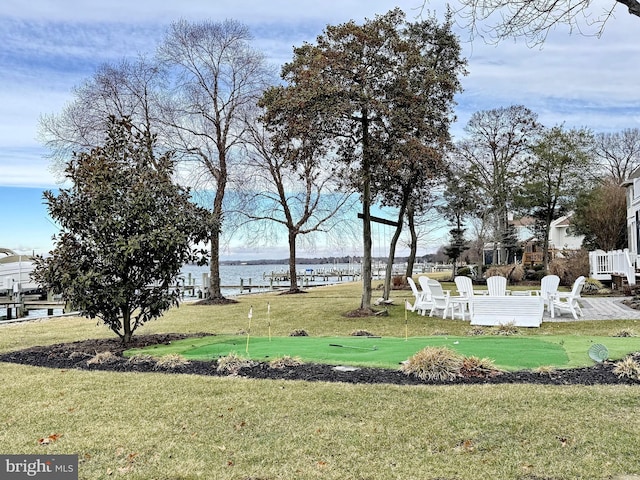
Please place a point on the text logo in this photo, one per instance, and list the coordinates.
(49, 467)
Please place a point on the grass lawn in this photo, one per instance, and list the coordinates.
(164, 426)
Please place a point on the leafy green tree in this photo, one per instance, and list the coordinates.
(127, 229)
(559, 169)
(459, 204)
(367, 88)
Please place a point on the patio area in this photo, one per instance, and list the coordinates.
(599, 308)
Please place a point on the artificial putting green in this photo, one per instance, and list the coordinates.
(510, 353)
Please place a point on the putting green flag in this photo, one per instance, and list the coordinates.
(249, 329)
(269, 318)
(407, 307)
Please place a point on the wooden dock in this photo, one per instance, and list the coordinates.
(21, 306)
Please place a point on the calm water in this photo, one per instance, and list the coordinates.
(232, 276)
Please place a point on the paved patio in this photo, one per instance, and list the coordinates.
(599, 308)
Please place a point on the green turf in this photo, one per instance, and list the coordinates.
(510, 353)
(506, 352)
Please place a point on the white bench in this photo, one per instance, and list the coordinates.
(521, 311)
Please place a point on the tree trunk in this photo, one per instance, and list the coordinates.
(413, 246)
(126, 326)
(365, 303)
(392, 254)
(292, 262)
(215, 292)
(214, 268)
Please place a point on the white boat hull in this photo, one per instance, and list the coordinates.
(15, 272)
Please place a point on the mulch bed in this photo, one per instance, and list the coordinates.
(76, 355)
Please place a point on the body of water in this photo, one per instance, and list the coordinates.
(260, 277)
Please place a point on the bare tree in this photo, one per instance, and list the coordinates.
(496, 20)
(123, 90)
(217, 77)
(492, 155)
(289, 186)
(618, 153)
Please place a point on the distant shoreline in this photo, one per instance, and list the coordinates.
(308, 261)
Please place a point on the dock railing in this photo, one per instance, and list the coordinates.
(617, 262)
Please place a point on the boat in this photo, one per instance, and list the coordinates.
(15, 272)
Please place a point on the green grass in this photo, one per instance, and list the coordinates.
(170, 427)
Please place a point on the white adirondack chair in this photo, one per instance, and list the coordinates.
(548, 288)
(465, 294)
(568, 302)
(497, 286)
(441, 299)
(421, 302)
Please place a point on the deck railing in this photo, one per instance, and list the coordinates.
(618, 262)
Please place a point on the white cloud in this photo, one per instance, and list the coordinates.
(50, 47)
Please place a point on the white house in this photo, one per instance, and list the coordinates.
(559, 238)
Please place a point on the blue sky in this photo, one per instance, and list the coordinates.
(50, 46)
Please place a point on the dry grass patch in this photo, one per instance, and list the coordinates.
(232, 363)
(285, 362)
(103, 358)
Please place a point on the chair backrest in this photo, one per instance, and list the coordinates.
(414, 289)
(437, 294)
(464, 286)
(549, 285)
(577, 286)
(424, 284)
(497, 286)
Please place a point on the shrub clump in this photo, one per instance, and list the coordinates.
(142, 359)
(299, 333)
(102, 358)
(232, 363)
(434, 364)
(478, 367)
(171, 361)
(592, 286)
(362, 333)
(625, 333)
(570, 266)
(506, 329)
(629, 367)
(545, 370)
(475, 331)
(286, 361)
(513, 273)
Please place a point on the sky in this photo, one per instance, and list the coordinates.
(48, 47)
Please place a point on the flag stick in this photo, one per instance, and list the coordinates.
(406, 321)
(269, 318)
(249, 330)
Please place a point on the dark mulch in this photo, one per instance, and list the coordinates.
(76, 355)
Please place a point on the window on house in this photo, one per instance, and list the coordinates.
(636, 188)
